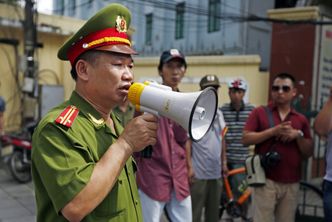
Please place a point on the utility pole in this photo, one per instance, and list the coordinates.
(29, 43)
(30, 40)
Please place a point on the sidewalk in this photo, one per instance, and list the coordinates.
(17, 201)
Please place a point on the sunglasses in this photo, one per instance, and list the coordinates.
(285, 89)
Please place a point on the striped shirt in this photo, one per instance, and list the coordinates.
(235, 121)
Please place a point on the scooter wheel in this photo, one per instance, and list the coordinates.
(20, 171)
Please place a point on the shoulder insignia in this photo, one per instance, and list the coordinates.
(67, 116)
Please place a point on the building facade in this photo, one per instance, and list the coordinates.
(212, 27)
(52, 73)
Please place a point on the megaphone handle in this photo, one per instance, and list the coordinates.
(147, 152)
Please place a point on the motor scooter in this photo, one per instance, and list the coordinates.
(15, 151)
(16, 154)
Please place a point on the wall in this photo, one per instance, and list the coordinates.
(225, 67)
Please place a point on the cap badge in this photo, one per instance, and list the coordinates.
(236, 84)
(210, 78)
(174, 52)
(121, 24)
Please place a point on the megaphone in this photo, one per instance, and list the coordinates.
(194, 111)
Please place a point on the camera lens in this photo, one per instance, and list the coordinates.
(270, 159)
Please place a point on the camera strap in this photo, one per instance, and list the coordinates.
(269, 116)
(271, 122)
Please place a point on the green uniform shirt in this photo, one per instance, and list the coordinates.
(124, 117)
(63, 159)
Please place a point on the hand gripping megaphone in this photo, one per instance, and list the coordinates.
(194, 111)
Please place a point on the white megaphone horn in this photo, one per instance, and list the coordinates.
(194, 111)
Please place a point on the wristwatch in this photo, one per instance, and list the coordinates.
(300, 134)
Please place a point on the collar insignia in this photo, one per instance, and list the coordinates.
(121, 24)
(96, 121)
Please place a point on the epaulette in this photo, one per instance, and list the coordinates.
(67, 116)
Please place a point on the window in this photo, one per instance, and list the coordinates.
(60, 8)
(71, 7)
(179, 20)
(148, 29)
(214, 16)
(90, 3)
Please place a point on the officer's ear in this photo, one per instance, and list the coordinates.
(81, 67)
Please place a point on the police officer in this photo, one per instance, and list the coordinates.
(81, 159)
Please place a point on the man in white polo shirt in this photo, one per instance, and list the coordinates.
(207, 162)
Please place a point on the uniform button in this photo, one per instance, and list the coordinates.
(120, 181)
(136, 202)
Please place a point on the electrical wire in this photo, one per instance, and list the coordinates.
(189, 8)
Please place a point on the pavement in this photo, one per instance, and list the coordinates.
(17, 201)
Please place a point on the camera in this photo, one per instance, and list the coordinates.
(270, 159)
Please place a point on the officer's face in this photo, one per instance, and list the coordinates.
(172, 73)
(109, 78)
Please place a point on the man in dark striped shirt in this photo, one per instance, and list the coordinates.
(235, 114)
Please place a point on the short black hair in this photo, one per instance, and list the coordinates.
(285, 75)
(161, 64)
(89, 56)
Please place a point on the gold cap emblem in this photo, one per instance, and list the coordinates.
(121, 24)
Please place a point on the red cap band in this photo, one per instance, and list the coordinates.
(104, 37)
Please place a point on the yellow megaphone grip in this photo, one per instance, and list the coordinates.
(134, 94)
